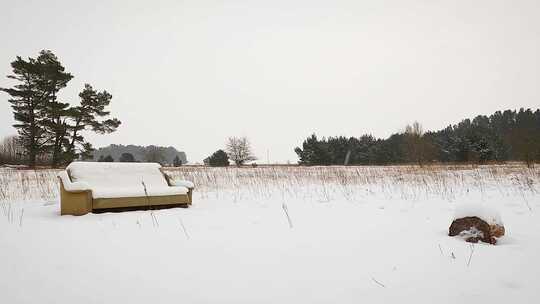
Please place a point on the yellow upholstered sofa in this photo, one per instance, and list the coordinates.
(99, 186)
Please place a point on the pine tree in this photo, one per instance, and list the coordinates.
(46, 125)
(525, 136)
(56, 111)
(177, 162)
(32, 99)
(127, 158)
(314, 151)
(87, 117)
(217, 159)
(106, 159)
(155, 154)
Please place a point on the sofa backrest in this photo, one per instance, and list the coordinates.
(117, 175)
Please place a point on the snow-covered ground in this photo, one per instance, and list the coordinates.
(352, 235)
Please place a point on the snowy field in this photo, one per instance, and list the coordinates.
(278, 235)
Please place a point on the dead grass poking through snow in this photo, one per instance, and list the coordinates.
(322, 184)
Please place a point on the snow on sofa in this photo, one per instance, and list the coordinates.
(92, 186)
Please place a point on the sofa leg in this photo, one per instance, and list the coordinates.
(190, 196)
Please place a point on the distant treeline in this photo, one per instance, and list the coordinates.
(502, 136)
(134, 153)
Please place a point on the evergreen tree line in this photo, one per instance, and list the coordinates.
(51, 130)
(502, 136)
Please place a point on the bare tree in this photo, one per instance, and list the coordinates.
(11, 151)
(418, 148)
(239, 150)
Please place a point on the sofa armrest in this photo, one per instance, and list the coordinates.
(72, 186)
(75, 197)
(181, 183)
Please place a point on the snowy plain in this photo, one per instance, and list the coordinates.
(278, 235)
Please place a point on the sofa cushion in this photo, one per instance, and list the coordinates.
(122, 179)
(107, 192)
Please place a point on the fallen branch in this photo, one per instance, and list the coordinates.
(470, 256)
(21, 217)
(379, 283)
(154, 219)
(284, 206)
(183, 227)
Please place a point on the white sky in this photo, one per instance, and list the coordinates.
(191, 73)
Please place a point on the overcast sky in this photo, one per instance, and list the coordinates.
(191, 73)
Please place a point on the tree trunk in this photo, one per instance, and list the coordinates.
(57, 146)
(32, 147)
(32, 157)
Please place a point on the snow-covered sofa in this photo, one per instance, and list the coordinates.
(93, 186)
